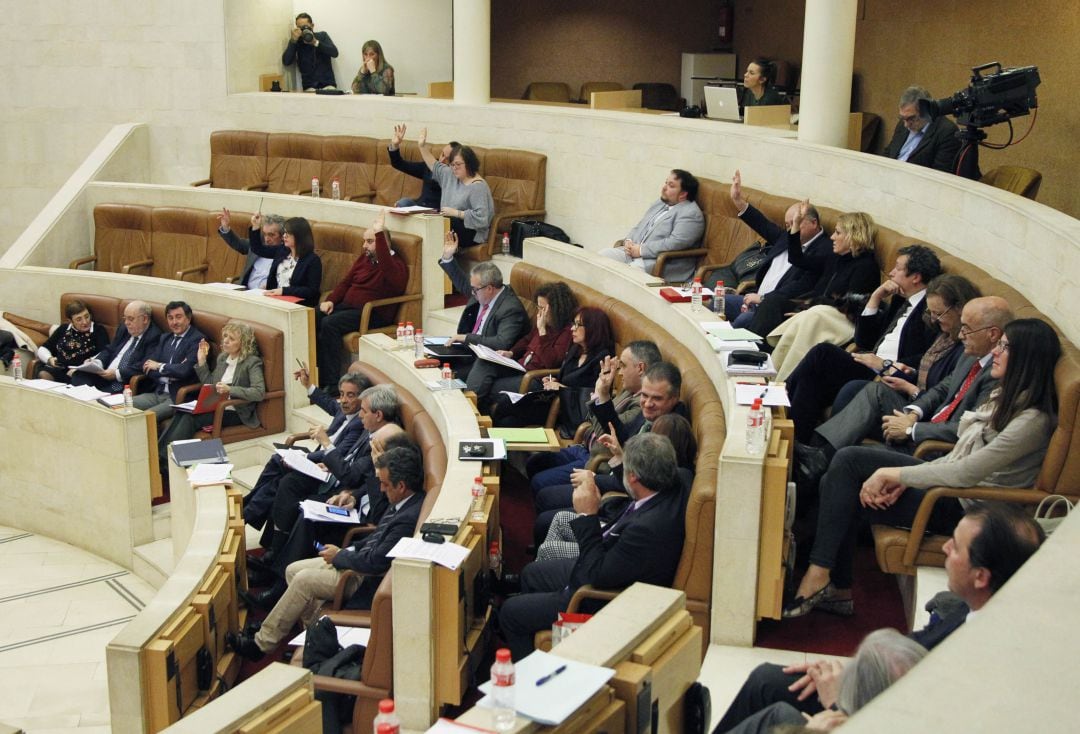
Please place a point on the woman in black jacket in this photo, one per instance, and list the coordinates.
(296, 270)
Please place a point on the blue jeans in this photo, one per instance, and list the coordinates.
(738, 318)
(548, 469)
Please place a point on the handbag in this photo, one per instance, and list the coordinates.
(1045, 511)
(743, 268)
(320, 642)
(520, 229)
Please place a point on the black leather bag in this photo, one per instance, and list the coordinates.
(320, 642)
(522, 228)
(743, 268)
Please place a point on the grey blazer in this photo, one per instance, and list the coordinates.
(679, 229)
(248, 384)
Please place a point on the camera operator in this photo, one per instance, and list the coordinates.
(923, 140)
(312, 51)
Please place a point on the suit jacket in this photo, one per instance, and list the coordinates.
(133, 360)
(507, 322)
(316, 69)
(800, 277)
(244, 248)
(306, 280)
(430, 192)
(248, 383)
(680, 229)
(934, 633)
(351, 467)
(937, 149)
(368, 556)
(915, 338)
(333, 407)
(644, 546)
(605, 413)
(942, 394)
(176, 364)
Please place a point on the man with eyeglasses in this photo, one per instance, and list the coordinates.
(923, 140)
(878, 411)
(494, 316)
(378, 273)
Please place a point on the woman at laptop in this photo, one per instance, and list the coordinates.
(237, 377)
(758, 89)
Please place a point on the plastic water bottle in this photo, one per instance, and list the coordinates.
(418, 344)
(478, 493)
(335, 189)
(387, 721)
(506, 243)
(401, 335)
(410, 335)
(129, 402)
(502, 690)
(495, 559)
(718, 299)
(16, 368)
(695, 295)
(315, 187)
(755, 428)
(447, 375)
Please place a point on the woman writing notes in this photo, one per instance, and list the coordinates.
(1001, 444)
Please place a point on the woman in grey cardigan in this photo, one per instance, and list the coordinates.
(238, 375)
(1001, 444)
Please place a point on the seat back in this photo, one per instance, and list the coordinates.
(410, 248)
(178, 241)
(1016, 179)
(237, 158)
(106, 310)
(392, 185)
(377, 670)
(548, 92)
(292, 160)
(222, 261)
(338, 246)
(352, 159)
(725, 234)
(518, 182)
(589, 87)
(659, 96)
(121, 235)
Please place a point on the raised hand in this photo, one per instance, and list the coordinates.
(736, 191)
(398, 136)
(224, 219)
(421, 139)
(450, 245)
(379, 225)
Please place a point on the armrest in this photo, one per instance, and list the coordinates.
(75, 264)
(348, 687)
(293, 438)
(356, 532)
(666, 257)
(612, 496)
(922, 517)
(219, 413)
(534, 375)
(588, 592)
(202, 182)
(29, 324)
(339, 592)
(708, 267)
(579, 434)
(181, 274)
(188, 392)
(126, 270)
(137, 384)
(370, 306)
(257, 187)
(932, 447)
(367, 198)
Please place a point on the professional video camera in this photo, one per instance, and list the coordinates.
(991, 98)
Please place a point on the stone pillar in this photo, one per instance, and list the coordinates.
(472, 51)
(827, 63)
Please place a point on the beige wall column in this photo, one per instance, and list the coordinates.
(472, 51)
(827, 62)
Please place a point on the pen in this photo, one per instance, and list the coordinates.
(300, 364)
(545, 678)
(765, 391)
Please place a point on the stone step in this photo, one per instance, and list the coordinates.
(153, 562)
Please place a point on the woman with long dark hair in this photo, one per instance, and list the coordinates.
(1001, 444)
(297, 269)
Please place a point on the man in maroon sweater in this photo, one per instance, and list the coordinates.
(377, 273)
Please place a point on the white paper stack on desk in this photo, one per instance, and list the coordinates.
(549, 688)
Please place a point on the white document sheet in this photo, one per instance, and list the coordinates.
(449, 555)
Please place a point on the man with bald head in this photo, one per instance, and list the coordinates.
(124, 357)
(878, 411)
(378, 273)
(777, 277)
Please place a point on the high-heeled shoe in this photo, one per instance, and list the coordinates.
(801, 606)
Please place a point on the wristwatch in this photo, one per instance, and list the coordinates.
(908, 430)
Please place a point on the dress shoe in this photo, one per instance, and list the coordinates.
(510, 583)
(810, 465)
(264, 599)
(244, 645)
(259, 577)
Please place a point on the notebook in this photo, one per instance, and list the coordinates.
(722, 103)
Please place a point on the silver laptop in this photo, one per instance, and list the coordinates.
(722, 103)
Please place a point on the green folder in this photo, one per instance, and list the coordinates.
(519, 435)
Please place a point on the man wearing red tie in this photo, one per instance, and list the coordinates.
(879, 412)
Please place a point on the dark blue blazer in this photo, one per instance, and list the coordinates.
(177, 364)
(797, 281)
(133, 360)
(915, 338)
(306, 280)
(368, 556)
(352, 432)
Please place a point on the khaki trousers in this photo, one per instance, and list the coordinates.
(311, 582)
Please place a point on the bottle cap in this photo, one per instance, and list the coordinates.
(756, 405)
(502, 655)
(446, 365)
(386, 705)
(697, 280)
(386, 729)
(493, 547)
(408, 323)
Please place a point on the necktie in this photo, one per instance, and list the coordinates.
(943, 415)
(621, 521)
(175, 344)
(645, 427)
(332, 482)
(480, 318)
(652, 224)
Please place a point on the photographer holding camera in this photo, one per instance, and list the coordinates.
(312, 51)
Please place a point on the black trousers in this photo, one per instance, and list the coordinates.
(840, 512)
(814, 383)
(544, 594)
(767, 684)
(329, 349)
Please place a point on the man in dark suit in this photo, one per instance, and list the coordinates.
(314, 580)
(896, 333)
(170, 363)
(644, 544)
(256, 269)
(312, 51)
(879, 411)
(494, 316)
(991, 542)
(777, 278)
(344, 431)
(125, 356)
(923, 140)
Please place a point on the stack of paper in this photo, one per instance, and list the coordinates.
(550, 688)
(322, 512)
(345, 636)
(775, 395)
(204, 475)
(449, 555)
(42, 384)
(298, 460)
